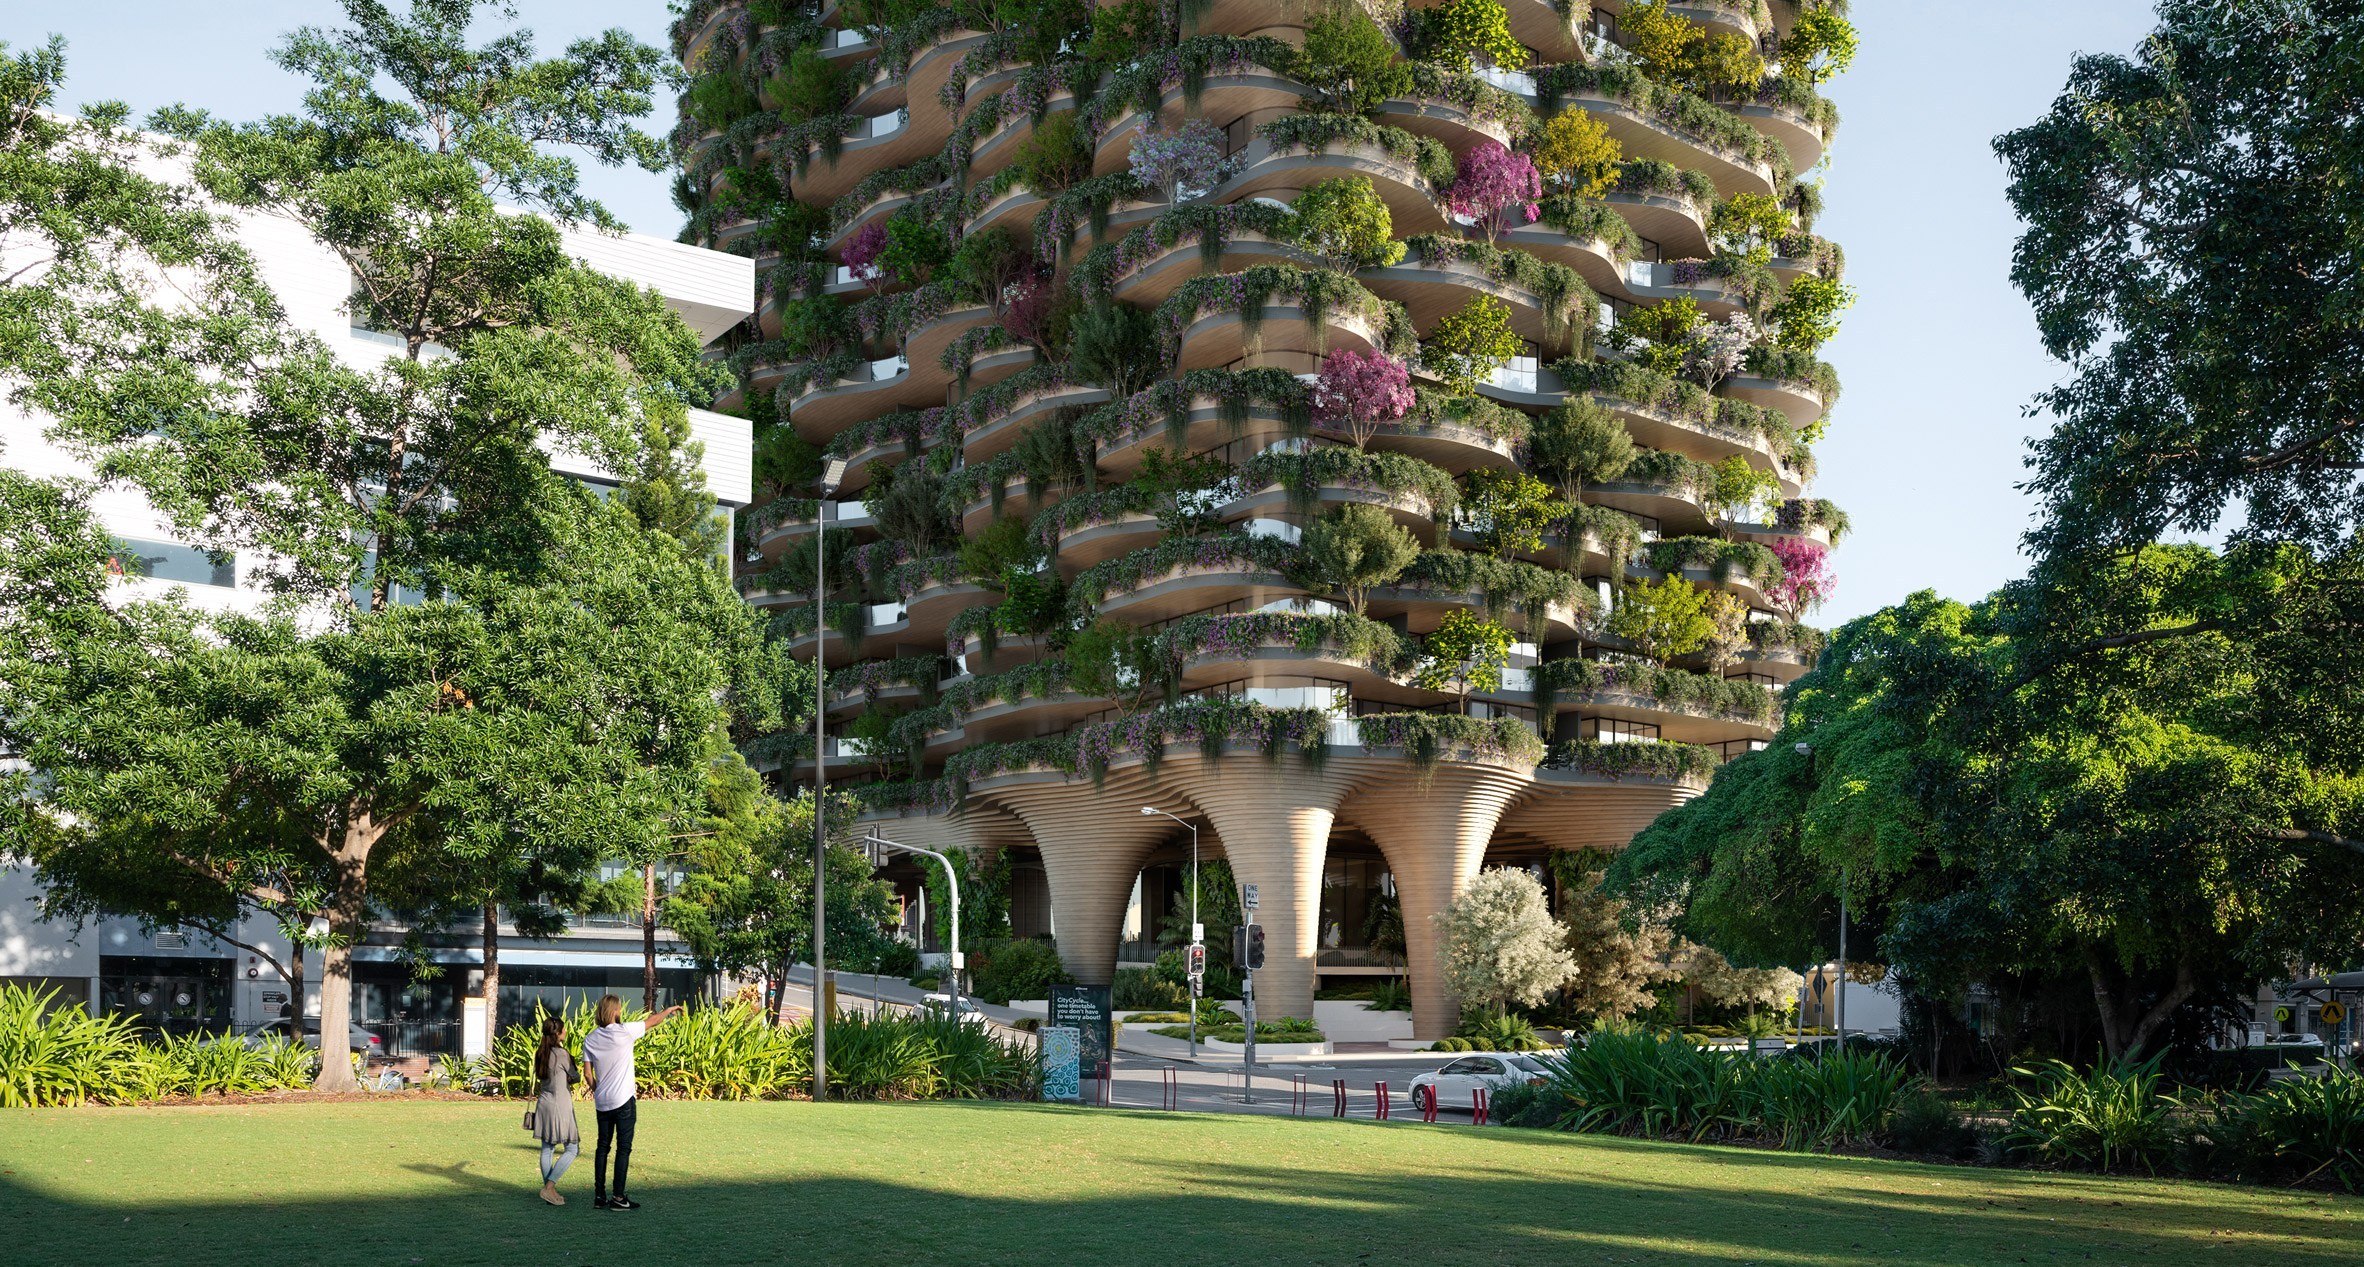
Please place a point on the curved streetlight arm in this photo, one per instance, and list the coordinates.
(951, 877)
(1198, 932)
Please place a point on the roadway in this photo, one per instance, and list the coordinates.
(1213, 1083)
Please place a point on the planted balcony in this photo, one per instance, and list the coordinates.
(1198, 411)
(1147, 264)
(1218, 319)
(1456, 108)
(1651, 693)
(1651, 120)
(1549, 304)
(1185, 574)
(1544, 602)
(1673, 414)
(1744, 567)
(1300, 150)
(1303, 482)
(1210, 76)
(1796, 383)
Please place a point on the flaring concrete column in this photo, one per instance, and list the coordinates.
(1093, 843)
(1433, 831)
(1274, 819)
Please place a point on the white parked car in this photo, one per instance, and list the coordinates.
(1464, 1074)
(940, 1004)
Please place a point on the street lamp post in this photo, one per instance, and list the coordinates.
(1197, 934)
(831, 475)
(951, 880)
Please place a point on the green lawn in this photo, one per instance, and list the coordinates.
(416, 1181)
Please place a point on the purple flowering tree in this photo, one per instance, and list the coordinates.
(862, 252)
(1491, 185)
(1358, 391)
(1717, 350)
(1807, 581)
(1181, 164)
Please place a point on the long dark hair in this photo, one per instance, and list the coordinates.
(553, 1039)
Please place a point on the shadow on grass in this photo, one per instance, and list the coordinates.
(979, 1183)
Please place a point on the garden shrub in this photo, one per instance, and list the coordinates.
(1288, 1029)
(1391, 995)
(1926, 1123)
(1510, 1032)
(1526, 1104)
(1138, 988)
(1021, 968)
(735, 1052)
(54, 1055)
(2109, 1118)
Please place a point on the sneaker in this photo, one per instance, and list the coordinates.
(622, 1203)
(599, 1202)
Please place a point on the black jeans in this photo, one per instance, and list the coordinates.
(614, 1125)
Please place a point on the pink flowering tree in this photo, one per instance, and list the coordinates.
(1357, 391)
(1807, 581)
(862, 252)
(1028, 313)
(1491, 185)
(1184, 163)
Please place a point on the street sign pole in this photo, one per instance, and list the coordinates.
(1196, 958)
(1247, 1056)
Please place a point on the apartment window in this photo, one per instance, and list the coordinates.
(1283, 692)
(169, 561)
(1616, 730)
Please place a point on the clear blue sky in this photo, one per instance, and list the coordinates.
(1939, 354)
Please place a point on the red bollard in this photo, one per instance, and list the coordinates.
(1297, 1096)
(1382, 1092)
(1477, 1107)
(1338, 1098)
(1173, 1088)
(1428, 1103)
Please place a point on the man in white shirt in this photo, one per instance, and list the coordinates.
(608, 1050)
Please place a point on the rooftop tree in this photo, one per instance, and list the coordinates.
(1354, 549)
(1359, 392)
(1495, 187)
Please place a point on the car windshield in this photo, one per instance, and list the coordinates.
(1529, 1064)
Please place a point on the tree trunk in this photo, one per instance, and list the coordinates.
(295, 990)
(348, 921)
(648, 937)
(492, 974)
(2123, 1032)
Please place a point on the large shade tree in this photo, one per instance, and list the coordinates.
(165, 361)
(192, 771)
(374, 739)
(2145, 824)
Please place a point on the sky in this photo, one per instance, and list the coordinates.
(1939, 354)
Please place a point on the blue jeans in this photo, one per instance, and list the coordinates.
(551, 1173)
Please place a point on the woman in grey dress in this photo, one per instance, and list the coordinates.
(554, 1107)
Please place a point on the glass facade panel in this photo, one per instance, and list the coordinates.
(166, 561)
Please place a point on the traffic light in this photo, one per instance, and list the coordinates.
(1255, 958)
(1198, 960)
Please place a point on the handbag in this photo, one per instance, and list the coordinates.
(529, 1119)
